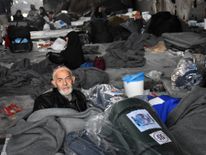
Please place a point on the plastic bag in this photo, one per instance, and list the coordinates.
(186, 74)
(59, 44)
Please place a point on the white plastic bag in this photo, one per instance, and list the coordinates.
(59, 44)
(59, 24)
(46, 27)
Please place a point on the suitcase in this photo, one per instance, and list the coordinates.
(141, 128)
(20, 38)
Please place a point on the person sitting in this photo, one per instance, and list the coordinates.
(49, 19)
(99, 12)
(73, 53)
(42, 12)
(34, 19)
(3, 19)
(72, 56)
(33, 13)
(62, 95)
(51, 16)
(44, 17)
(18, 16)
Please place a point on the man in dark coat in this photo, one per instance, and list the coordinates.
(63, 95)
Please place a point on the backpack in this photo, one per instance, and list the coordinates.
(20, 38)
(99, 62)
(162, 22)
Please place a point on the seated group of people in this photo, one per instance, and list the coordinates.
(35, 16)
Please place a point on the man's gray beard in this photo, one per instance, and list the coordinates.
(67, 94)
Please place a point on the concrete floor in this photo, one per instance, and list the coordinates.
(164, 62)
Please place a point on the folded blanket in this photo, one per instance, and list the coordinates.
(44, 130)
(184, 39)
(70, 119)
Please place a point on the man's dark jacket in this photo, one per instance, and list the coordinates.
(53, 99)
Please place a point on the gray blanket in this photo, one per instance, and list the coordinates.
(70, 120)
(129, 53)
(89, 77)
(35, 138)
(25, 78)
(187, 123)
(44, 131)
(184, 39)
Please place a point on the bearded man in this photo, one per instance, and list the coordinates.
(62, 95)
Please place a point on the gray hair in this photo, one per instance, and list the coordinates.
(60, 68)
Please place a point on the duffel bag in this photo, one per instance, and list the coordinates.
(141, 128)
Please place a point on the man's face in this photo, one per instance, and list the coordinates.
(63, 81)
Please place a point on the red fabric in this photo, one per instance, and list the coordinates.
(99, 63)
(7, 41)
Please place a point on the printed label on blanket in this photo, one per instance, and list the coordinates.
(160, 137)
(143, 120)
(156, 101)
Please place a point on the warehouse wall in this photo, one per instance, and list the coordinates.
(185, 9)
